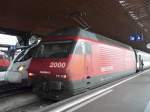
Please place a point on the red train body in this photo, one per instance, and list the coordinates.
(74, 60)
(4, 62)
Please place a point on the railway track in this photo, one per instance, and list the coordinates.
(12, 92)
(18, 98)
(13, 96)
(10, 89)
(32, 106)
(10, 101)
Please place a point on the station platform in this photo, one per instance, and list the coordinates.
(130, 94)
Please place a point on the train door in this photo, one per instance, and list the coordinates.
(87, 62)
(81, 65)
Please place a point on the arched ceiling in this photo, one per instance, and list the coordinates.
(115, 19)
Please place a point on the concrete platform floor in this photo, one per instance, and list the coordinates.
(131, 96)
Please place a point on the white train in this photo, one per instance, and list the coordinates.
(17, 71)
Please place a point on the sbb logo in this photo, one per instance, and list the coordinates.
(57, 65)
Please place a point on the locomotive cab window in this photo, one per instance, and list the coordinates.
(58, 49)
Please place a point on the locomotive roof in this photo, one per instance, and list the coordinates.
(77, 31)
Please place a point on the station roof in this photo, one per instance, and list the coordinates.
(116, 19)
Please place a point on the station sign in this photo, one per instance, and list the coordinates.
(136, 37)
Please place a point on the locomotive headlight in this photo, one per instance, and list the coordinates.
(31, 74)
(65, 76)
(21, 68)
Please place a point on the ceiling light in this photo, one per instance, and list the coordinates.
(121, 1)
(135, 18)
(139, 23)
(130, 12)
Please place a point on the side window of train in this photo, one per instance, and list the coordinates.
(87, 48)
(79, 49)
(83, 48)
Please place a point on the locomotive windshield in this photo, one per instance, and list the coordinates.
(58, 49)
(25, 54)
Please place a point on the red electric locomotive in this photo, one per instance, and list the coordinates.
(73, 60)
